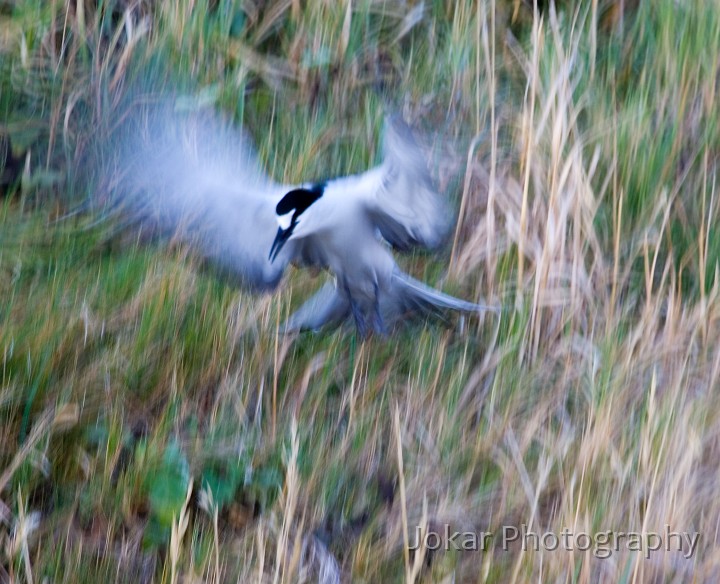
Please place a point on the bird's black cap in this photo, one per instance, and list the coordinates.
(297, 201)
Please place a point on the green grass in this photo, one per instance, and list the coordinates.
(153, 426)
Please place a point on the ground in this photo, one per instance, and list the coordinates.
(153, 425)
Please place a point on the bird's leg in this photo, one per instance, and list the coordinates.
(359, 319)
(378, 324)
(357, 313)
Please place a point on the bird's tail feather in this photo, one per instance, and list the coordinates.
(418, 296)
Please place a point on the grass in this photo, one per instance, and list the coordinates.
(153, 427)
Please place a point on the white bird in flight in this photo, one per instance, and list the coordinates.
(195, 176)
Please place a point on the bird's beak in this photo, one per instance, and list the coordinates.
(280, 239)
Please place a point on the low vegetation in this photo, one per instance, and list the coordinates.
(153, 425)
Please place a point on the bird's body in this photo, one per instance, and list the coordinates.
(346, 243)
(195, 176)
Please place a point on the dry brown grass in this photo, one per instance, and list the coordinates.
(583, 157)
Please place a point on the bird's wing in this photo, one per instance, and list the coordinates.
(405, 207)
(194, 177)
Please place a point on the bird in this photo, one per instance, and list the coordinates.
(194, 176)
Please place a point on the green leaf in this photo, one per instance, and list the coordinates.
(223, 480)
(155, 534)
(167, 485)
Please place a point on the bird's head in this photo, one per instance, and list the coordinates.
(289, 213)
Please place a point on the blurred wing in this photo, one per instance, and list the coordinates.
(406, 208)
(194, 177)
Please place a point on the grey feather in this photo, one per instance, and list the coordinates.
(407, 210)
(414, 295)
(193, 177)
